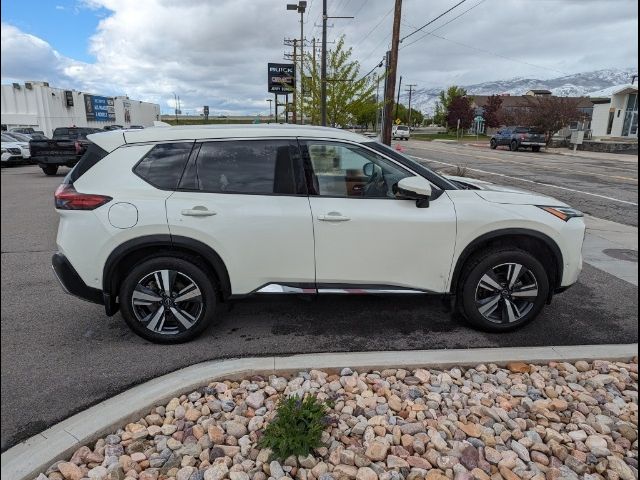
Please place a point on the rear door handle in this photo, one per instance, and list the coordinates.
(198, 211)
(333, 217)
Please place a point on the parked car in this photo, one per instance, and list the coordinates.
(165, 224)
(400, 132)
(64, 149)
(135, 127)
(113, 127)
(14, 152)
(518, 137)
(27, 130)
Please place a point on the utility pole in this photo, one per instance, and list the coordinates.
(411, 86)
(323, 72)
(377, 101)
(391, 77)
(398, 101)
(175, 105)
(294, 118)
(301, 74)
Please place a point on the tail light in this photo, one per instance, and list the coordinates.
(78, 147)
(67, 198)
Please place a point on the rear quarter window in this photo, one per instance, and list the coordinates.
(162, 167)
(91, 156)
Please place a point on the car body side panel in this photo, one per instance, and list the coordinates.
(477, 217)
(87, 238)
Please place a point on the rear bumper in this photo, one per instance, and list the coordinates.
(71, 281)
(533, 144)
(66, 161)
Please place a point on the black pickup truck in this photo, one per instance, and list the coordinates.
(64, 149)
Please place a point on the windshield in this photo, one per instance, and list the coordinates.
(403, 128)
(20, 137)
(408, 162)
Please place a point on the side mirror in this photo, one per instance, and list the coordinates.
(414, 188)
(368, 169)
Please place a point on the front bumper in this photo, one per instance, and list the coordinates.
(71, 281)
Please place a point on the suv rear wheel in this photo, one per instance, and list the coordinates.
(50, 169)
(513, 146)
(502, 289)
(493, 144)
(168, 299)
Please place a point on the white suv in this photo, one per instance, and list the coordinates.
(166, 223)
(400, 132)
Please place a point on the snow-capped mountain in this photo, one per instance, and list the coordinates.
(576, 85)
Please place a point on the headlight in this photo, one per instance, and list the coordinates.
(563, 213)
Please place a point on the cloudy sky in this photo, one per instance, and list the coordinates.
(214, 52)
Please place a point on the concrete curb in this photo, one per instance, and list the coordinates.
(27, 459)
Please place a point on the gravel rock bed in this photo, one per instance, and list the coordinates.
(554, 421)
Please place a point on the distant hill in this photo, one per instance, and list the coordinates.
(579, 84)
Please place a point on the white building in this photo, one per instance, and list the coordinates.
(615, 113)
(37, 105)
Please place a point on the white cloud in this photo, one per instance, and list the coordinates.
(215, 52)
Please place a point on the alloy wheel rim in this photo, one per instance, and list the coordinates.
(506, 293)
(167, 302)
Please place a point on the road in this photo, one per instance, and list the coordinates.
(603, 187)
(61, 355)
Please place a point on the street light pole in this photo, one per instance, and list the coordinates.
(270, 104)
(301, 8)
(323, 72)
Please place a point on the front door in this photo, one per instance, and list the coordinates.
(365, 238)
(247, 200)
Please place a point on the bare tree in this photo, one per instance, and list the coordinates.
(552, 114)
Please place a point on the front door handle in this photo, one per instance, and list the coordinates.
(333, 217)
(198, 211)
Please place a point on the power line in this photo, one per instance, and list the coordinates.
(354, 16)
(445, 24)
(309, 11)
(374, 28)
(431, 21)
(497, 54)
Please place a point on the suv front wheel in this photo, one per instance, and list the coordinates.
(168, 299)
(502, 289)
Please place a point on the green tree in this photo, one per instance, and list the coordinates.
(348, 93)
(460, 112)
(449, 95)
(445, 99)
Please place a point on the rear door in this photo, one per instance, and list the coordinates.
(365, 238)
(247, 200)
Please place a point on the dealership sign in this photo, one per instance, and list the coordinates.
(99, 109)
(282, 78)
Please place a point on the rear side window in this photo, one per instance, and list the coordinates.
(254, 167)
(162, 167)
(92, 155)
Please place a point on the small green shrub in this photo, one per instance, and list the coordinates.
(297, 427)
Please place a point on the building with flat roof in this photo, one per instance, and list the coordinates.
(45, 108)
(616, 115)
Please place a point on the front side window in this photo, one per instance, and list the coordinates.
(251, 167)
(345, 170)
(162, 167)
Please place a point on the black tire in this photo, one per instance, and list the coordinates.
(171, 329)
(470, 288)
(535, 148)
(493, 144)
(513, 146)
(50, 169)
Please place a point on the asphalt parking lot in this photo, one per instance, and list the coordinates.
(61, 355)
